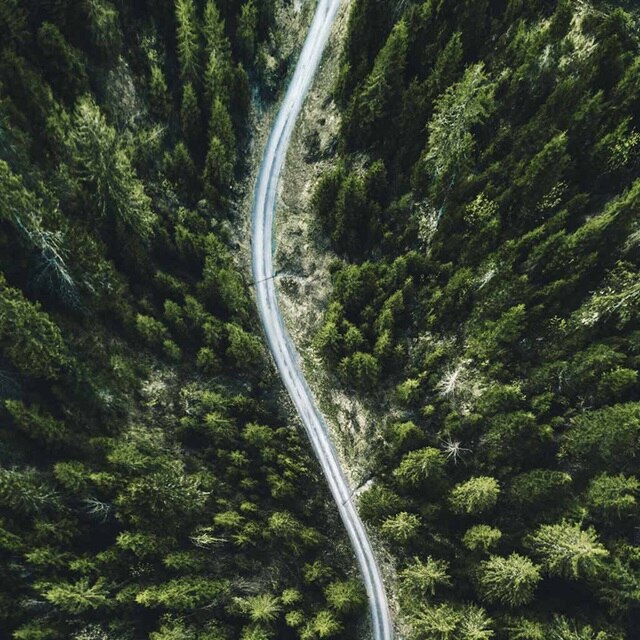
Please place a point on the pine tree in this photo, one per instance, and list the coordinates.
(420, 579)
(246, 33)
(103, 165)
(567, 550)
(475, 495)
(190, 116)
(510, 581)
(420, 466)
(188, 40)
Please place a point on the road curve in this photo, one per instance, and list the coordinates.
(282, 348)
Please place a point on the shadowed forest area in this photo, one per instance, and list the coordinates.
(150, 483)
(485, 205)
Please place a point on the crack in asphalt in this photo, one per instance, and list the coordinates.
(282, 349)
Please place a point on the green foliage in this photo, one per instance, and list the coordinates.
(63, 63)
(104, 26)
(29, 338)
(247, 24)
(77, 597)
(29, 215)
(401, 528)
(481, 537)
(613, 497)
(569, 551)
(263, 608)
(451, 142)
(444, 622)
(345, 596)
(244, 349)
(511, 581)
(420, 466)
(146, 476)
(25, 491)
(539, 487)
(190, 116)
(375, 100)
(102, 164)
(362, 369)
(475, 495)
(183, 594)
(188, 39)
(437, 621)
(220, 160)
(159, 98)
(37, 425)
(605, 437)
(483, 203)
(420, 579)
(323, 625)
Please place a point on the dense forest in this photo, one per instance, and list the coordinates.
(484, 204)
(151, 483)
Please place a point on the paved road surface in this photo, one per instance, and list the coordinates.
(282, 348)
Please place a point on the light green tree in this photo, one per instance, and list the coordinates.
(475, 624)
(323, 625)
(213, 30)
(344, 596)
(510, 581)
(613, 497)
(77, 597)
(188, 39)
(564, 628)
(451, 143)
(183, 594)
(567, 550)
(475, 495)
(435, 622)
(401, 528)
(481, 537)
(263, 608)
(419, 466)
(103, 165)
(420, 578)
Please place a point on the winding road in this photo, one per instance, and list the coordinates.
(282, 348)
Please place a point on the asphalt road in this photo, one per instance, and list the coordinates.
(284, 353)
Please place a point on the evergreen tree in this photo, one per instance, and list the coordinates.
(567, 550)
(188, 40)
(511, 581)
(103, 166)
